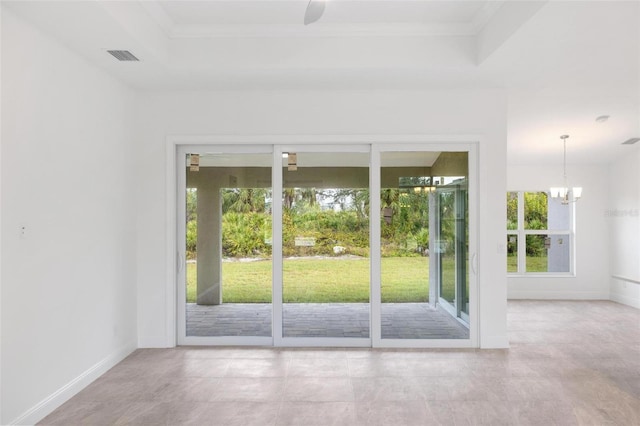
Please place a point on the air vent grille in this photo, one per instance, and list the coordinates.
(630, 141)
(122, 55)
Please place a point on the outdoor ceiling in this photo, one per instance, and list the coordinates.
(321, 159)
(561, 63)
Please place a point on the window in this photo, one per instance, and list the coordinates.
(540, 234)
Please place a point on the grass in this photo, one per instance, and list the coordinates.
(404, 279)
(328, 280)
(534, 264)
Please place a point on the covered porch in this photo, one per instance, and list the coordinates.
(399, 320)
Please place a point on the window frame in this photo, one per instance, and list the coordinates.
(521, 233)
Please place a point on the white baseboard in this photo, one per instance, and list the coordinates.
(153, 342)
(625, 291)
(558, 295)
(494, 342)
(626, 300)
(62, 395)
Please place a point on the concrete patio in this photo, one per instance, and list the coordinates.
(399, 320)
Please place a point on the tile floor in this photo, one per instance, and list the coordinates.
(569, 363)
(399, 320)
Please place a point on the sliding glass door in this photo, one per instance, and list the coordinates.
(327, 245)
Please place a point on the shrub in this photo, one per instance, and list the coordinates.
(192, 236)
(243, 234)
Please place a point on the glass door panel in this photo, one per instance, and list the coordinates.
(446, 249)
(453, 241)
(228, 245)
(418, 228)
(325, 245)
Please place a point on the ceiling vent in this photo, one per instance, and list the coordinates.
(123, 55)
(630, 141)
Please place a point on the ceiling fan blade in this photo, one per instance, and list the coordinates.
(314, 11)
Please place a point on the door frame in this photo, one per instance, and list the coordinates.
(378, 144)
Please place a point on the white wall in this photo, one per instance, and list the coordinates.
(623, 218)
(317, 113)
(68, 285)
(591, 242)
(0, 214)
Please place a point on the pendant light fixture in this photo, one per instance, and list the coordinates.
(565, 194)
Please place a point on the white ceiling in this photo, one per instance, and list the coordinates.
(563, 63)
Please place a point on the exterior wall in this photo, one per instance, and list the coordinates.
(68, 280)
(591, 241)
(454, 112)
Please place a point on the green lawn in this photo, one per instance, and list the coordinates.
(404, 279)
(534, 264)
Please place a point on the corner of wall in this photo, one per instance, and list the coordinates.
(623, 216)
(66, 392)
(625, 292)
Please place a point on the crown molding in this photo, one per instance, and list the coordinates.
(319, 30)
(484, 15)
(159, 15)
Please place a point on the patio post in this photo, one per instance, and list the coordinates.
(209, 245)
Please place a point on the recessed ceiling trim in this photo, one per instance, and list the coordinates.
(321, 30)
(458, 29)
(484, 15)
(159, 15)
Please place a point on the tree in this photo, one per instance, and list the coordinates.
(244, 200)
(299, 198)
(192, 204)
(351, 199)
(512, 210)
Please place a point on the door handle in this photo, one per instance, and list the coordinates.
(474, 265)
(180, 261)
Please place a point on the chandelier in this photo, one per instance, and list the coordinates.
(565, 193)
